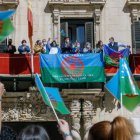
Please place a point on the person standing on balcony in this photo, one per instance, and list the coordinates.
(23, 48)
(38, 48)
(54, 48)
(44, 43)
(76, 48)
(66, 47)
(116, 45)
(10, 47)
(87, 48)
(99, 47)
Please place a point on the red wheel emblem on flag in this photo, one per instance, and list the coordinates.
(131, 95)
(72, 66)
(54, 102)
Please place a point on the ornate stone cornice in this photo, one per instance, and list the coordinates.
(75, 5)
(56, 16)
(133, 2)
(76, 2)
(134, 6)
(25, 106)
(86, 94)
(9, 3)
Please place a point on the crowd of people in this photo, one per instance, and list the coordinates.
(48, 47)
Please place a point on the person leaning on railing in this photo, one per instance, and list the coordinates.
(54, 48)
(38, 48)
(99, 47)
(23, 48)
(116, 45)
(10, 47)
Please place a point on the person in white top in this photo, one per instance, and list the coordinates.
(54, 48)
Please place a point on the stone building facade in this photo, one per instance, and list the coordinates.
(108, 18)
(101, 19)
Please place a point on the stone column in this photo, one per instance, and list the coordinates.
(76, 116)
(97, 14)
(87, 117)
(56, 20)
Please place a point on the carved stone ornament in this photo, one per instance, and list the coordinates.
(25, 107)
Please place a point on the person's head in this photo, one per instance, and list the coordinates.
(24, 42)
(67, 39)
(111, 39)
(122, 129)
(88, 45)
(33, 132)
(44, 42)
(77, 44)
(10, 41)
(119, 129)
(7, 133)
(100, 131)
(100, 43)
(54, 44)
(38, 42)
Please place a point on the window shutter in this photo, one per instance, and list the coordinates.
(63, 31)
(89, 32)
(136, 37)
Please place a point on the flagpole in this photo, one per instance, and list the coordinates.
(30, 33)
(122, 113)
(32, 57)
(121, 86)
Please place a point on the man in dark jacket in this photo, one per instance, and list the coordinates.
(10, 47)
(115, 45)
(66, 47)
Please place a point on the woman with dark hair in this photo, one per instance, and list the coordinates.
(7, 133)
(54, 49)
(23, 48)
(99, 47)
(33, 132)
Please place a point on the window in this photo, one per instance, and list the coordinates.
(80, 30)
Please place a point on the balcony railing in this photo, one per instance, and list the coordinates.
(9, 65)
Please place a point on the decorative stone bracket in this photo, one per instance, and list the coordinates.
(134, 6)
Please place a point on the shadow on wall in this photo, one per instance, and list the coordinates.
(109, 102)
(47, 8)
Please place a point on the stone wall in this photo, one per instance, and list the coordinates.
(42, 21)
(116, 22)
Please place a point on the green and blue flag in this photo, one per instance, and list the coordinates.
(6, 26)
(68, 68)
(52, 94)
(124, 85)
